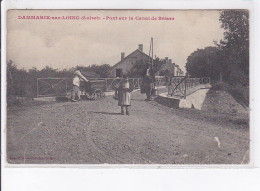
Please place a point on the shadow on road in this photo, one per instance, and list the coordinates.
(107, 113)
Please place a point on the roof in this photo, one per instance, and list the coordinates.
(130, 56)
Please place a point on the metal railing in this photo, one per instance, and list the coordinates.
(182, 86)
(51, 87)
(178, 85)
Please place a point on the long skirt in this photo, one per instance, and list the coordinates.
(124, 99)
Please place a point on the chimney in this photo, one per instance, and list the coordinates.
(166, 60)
(140, 47)
(122, 55)
(170, 61)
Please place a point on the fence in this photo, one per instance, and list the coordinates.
(51, 87)
(182, 85)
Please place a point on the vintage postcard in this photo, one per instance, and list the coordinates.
(132, 87)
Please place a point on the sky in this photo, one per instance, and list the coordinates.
(68, 43)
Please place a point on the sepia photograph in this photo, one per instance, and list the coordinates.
(131, 87)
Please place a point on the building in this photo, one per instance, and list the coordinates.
(128, 62)
(178, 71)
(167, 68)
(171, 68)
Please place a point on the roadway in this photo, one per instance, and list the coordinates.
(93, 132)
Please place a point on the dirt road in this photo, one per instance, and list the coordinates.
(93, 132)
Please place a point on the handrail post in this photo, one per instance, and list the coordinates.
(185, 87)
(37, 89)
(106, 84)
(66, 87)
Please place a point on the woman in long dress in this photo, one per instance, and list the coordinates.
(124, 96)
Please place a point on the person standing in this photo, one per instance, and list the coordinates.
(76, 84)
(148, 83)
(124, 96)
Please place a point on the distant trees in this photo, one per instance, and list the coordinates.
(206, 63)
(23, 83)
(101, 70)
(230, 59)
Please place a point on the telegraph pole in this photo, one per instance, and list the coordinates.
(152, 51)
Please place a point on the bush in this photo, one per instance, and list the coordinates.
(239, 92)
(217, 86)
(23, 83)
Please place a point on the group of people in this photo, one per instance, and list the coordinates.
(123, 89)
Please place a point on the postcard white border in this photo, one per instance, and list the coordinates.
(10, 171)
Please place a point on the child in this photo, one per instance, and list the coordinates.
(124, 96)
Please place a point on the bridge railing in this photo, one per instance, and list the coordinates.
(183, 85)
(51, 87)
(178, 85)
(112, 83)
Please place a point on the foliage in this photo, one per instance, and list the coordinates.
(205, 62)
(239, 92)
(229, 61)
(231, 56)
(158, 63)
(101, 70)
(236, 38)
(23, 83)
(140, 67)
(235, 45)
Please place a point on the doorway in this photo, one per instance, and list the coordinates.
(119, 73)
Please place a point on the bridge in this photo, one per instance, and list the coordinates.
(178, 87)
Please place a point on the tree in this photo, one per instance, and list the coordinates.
(230, 59)
(138, 69)
(101, 70)
(206, 62)
(141, 65)
(235, 45)
(158, 63)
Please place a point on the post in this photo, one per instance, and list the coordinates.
(152, 52)
(66, 86)
(185, 87)
(37, 89)
(106, 84)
